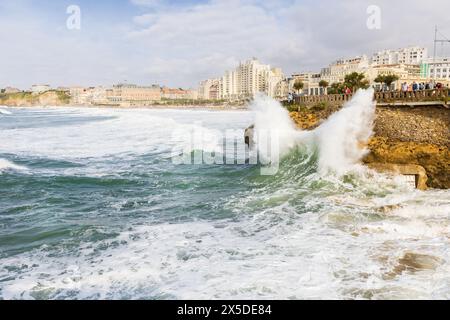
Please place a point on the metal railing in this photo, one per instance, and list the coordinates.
(436, 95)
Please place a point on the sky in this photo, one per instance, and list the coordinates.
(179, 43)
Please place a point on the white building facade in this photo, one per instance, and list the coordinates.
(337, 71)
(244, 82)
(410, 55)
(436, 69)
(40, 88)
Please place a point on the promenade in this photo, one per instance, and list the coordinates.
(438, 97)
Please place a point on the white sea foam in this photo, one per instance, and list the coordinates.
(272, 122)
(8, 165)
(342, 138)
(5, 112)
(136, 131)
(296, 238)
(328, 254)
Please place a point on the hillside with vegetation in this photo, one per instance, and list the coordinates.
(28, 99)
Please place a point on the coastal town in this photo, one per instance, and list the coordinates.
(410, 68)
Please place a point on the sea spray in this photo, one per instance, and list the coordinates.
(342, 137)
(273, 127)
(340, 140)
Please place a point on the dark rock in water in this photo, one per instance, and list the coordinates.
(414, 262)
(249, 136)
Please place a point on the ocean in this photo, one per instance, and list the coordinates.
(93, 206)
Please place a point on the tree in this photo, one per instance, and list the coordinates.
(298, 85)
(380, 79)
(336, 88)
(356, 81)
(324, 84)
(388, 80)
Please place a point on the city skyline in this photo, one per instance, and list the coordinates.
(179, 43)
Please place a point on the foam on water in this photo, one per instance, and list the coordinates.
(8, 165)
(340, 140)
(5, 112)
(318, 229)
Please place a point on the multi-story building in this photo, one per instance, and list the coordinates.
(214, 91)
(98, 95)
(134, 95)
(209, 89)
(405, 63)
(248, 79)
(310, 81)
(40, 88)
(410, 55)
(178, 94)
(337, 71)
(79, 95)
(406, 73)
(436, 68)
(276, 77)
(229, 85)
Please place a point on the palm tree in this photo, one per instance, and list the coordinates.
(324, 84)
(299, 85)
(356, 81)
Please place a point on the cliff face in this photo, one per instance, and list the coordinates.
(27, 99)
(403, 135)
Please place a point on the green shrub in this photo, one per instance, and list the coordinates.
(292, 108)
(319, 106)
(303, 109)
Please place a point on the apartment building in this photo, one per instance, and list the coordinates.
(40, 88)
(409, 55)
(437, 69)
(337, 71)
(134, 95)
(244, 82)
(209, 90)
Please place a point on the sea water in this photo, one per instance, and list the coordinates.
(93, 207)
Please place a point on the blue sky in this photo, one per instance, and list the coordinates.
(178, 43)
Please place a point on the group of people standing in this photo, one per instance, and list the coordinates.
(415, 86)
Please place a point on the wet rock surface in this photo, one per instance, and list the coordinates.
(402, 135)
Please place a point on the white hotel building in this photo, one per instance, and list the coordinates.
(248, 79)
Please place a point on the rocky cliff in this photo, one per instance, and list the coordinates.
(27, 99)
(402, 135)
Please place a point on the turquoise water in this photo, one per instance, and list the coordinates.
(93, 207)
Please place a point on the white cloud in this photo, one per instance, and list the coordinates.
(205, 39)
(147, 3)
(145, 19)
(179, 45)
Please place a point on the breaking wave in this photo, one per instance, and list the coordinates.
(106, 215)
